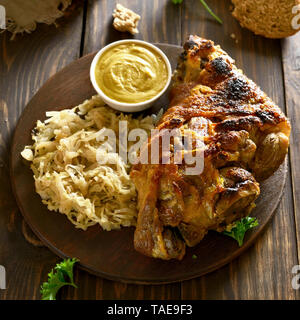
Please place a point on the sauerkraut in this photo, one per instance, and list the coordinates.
(68, 176)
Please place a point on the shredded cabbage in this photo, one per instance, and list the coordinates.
(66, 172)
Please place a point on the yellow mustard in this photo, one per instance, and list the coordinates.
(131, 73)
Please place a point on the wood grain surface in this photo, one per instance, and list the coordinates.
(264, 271)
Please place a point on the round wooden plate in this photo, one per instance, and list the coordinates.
(111, 254)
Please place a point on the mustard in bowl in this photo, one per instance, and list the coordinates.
(130, 75)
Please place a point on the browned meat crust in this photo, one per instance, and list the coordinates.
(246, 138)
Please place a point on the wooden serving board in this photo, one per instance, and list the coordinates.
(111, 254)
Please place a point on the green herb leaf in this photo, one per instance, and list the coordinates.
(239, 229)
(211, 12)
(61, 275)
(205, 6)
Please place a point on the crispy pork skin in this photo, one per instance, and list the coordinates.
(245, 139)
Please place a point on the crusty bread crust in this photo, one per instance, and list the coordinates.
(271, 19)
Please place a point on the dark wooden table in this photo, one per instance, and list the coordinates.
(264, 271)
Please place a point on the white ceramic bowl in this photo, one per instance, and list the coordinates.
(129, 107)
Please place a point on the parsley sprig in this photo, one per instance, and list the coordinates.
(239, 229)
(205, 6)
(61, 275)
